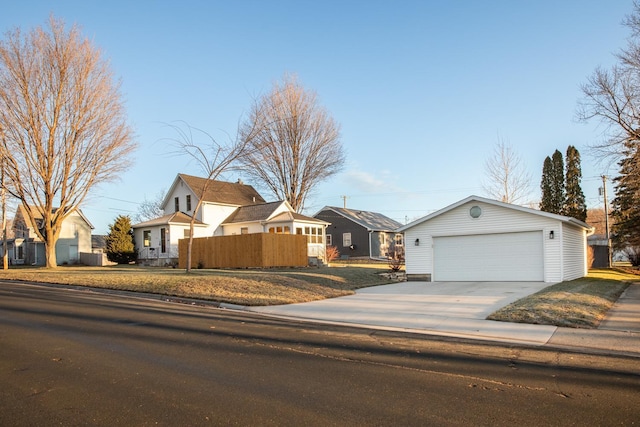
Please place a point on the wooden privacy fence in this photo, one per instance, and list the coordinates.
(245, 251)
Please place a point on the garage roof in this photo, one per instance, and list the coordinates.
(561, 218)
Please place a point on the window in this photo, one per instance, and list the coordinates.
(383, 238)
(399, 240)
(287, 229)
(329, 243)
(163, 240)
(298, 230)
(346, 239)
(244, 230)
(188, 202)
(146, 238)
(20, 252)
(177, 204)
(186, 233)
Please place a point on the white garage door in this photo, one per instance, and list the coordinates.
(489, 257)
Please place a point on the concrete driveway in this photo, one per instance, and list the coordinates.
(446, 308)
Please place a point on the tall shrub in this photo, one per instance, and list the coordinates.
(120, 243)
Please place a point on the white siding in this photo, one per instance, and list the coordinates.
(181, 191)
(574, 252)
(494, 219)
(253, 227)
(418, 259)
(75, 237)
(214, 215)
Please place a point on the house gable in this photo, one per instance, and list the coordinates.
(74, 238)
(358, 233)
(484, 222)
(216, 192)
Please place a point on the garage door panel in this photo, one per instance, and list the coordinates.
(489, 257)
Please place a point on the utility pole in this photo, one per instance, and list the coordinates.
(3, 196)
(606, 219)
(3, 193)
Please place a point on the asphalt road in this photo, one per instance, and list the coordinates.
(72, 357)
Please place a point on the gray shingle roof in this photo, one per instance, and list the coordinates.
(263, 212)
(250, 213)
(370, 220)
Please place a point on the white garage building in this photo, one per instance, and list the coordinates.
(478, 239)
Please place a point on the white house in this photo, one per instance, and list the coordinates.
(478, 239)
(227, 209)
(27, 248)
(277, 217)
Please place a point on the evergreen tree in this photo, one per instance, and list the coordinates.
(626, 204)
(120, 245)
(546, 204)
(575, 205)
(557, 183)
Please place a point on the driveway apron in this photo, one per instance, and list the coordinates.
(440, 308)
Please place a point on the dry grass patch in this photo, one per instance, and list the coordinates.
(243, 287)
(580, 303)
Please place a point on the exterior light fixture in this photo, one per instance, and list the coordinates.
(417, 242)
(551, 236)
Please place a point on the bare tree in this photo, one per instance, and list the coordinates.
(297, 144)
(613, 96)
(64, 124)
(213, 159)
(150, 208)
(507, 179)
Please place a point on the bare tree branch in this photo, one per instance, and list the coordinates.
(64, 123)
(213, 159)
(294, 143)
(507, 178)
(150, 208)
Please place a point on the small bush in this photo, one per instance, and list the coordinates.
(332, 253)
(396, 259)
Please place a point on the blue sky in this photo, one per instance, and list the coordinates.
(423, 90)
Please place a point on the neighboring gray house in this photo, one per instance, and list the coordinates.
(478, 239)
(358, 233)
(27, 248)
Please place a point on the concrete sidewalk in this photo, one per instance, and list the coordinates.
(460, 309)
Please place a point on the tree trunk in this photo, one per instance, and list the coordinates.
(50, 246)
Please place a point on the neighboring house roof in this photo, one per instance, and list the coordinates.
(372, 221)
(173, 218)
(98, 241)
(253, 213)
(226, 193)
(37, 215)
(265, 212)
(560, 218)
(286, 216)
